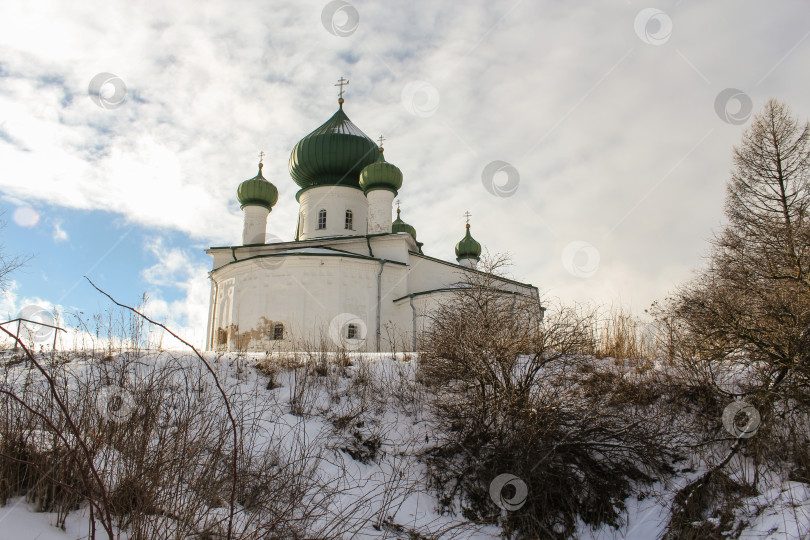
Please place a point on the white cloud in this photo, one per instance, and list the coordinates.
(59, 234)
(176, 269)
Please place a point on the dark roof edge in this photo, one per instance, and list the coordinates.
(467, 269)
(337, 254)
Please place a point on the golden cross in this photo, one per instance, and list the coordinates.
(397, 205)
(341, 83)
(261, 157)
(380, 140)
(467, 215)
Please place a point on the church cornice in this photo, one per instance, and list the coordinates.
(456, 289)
(343, 254)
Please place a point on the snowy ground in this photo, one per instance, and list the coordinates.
(369, 423)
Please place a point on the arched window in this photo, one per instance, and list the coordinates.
(321, 219)
(278, 331)
(349, 220)
(351, 333)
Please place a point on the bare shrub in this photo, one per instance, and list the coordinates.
(516, 396)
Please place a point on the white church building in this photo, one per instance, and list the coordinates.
(352, 277)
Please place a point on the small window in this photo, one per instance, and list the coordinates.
(349, 219)
(352, 331)
(278, 331)
(321, 219)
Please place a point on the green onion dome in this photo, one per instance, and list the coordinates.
(257, 191)
(381, 175)
(399, 226)
(468, 248)
(333, 154)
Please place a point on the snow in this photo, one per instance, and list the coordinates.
(20, 521)
(377, 399)
(781, 512)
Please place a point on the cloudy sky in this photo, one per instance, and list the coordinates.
(589, 140)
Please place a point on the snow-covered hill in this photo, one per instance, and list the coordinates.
(346, 436)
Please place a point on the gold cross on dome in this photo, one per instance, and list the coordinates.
(380, 140)
(261, 157)
(341, 83)
(397, 205)
(467, 215)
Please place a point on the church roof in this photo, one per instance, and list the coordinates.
(381, 175)
(333, 154)
(257, 191)
(399, 226)
(468, 247)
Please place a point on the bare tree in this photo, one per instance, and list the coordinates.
(753, 299)
(746, 316)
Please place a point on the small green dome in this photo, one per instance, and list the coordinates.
(333, 154)
(257, 192)
(399, 226)
(381, 175)
(468, 248)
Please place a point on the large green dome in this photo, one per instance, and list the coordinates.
(257, 191)
(333, 154)
(468, 248)
(381, 175)
(399, 226)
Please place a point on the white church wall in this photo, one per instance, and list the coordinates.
(313, 297)
(335, 200)
(427, 274)
(393, 248)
